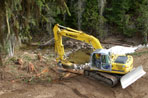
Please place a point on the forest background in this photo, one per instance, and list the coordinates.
(21, 20)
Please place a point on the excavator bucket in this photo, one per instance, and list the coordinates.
(132, 76)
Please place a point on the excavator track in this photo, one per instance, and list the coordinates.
(108, 79)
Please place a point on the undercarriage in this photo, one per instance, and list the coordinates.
(109, 79)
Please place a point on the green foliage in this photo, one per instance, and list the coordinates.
(123, 17)
(26, 18)
(40, 4)
(41, 15)
(91, 16)
(143, 16)
(142, 20)
(120, 13)
(139, 53)
(92, 20)
(33, 16)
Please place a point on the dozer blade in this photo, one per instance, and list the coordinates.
(132, 76)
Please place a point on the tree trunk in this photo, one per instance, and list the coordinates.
(2, 15)
(79, 14)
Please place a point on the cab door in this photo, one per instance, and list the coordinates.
(105, 63)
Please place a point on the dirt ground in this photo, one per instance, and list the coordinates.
(78, 86)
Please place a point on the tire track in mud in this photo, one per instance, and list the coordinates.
(128, 91)
(85, 83)
(104, 87)
(93, 88)
(114, 93)
(119, 93)
(77, 92)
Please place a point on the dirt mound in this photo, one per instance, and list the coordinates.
(78, 86)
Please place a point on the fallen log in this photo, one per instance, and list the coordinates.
(79, 72)
(48, 43)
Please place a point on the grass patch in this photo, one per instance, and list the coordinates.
(27, 58)
(139, 53)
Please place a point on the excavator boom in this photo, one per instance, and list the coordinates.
(60, 31)
(103, 66)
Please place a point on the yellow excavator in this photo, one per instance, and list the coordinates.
(104, 66)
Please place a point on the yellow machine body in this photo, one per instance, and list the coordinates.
(119, 68)
(103, 65)
(59, 31)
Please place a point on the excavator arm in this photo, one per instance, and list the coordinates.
(131, 75)
(60, 31)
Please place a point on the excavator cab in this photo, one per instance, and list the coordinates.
(102, 64)
(100, 59)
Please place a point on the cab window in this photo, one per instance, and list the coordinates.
(105, 59)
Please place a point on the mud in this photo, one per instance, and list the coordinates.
(79, 86)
